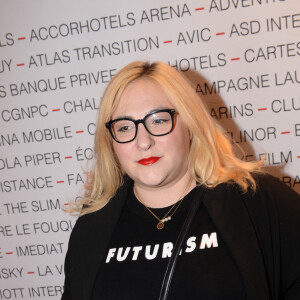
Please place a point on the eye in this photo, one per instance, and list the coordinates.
(125, 128)
(159, 121)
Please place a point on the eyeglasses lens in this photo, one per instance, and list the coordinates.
(123, 130)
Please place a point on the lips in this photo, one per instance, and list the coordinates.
(148, 161)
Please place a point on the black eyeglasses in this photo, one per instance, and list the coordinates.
(157, 123)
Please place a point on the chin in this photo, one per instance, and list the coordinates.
(150, 180)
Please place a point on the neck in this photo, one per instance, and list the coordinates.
(163, 196)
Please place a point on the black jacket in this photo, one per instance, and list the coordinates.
(261, 229)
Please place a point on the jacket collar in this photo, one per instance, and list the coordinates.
(229, 214)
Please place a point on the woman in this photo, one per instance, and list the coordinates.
(158, 153)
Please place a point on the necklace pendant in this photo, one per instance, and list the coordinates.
(160, 225)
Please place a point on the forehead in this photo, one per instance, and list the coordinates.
(139, 98)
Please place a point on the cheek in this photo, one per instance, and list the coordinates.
(181, 140)
(122, 152)
(176, 148)
(118, 150)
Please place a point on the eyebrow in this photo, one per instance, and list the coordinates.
(149, 112)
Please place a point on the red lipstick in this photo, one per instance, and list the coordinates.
(148, 161)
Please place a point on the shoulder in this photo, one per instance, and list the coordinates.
(279, 207)
(90, 224)
(272, 199)
(285, 199)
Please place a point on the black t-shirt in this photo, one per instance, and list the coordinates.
(138, 254)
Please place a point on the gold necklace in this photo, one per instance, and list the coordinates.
(160, 225)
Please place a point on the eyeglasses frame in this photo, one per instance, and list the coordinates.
(172, 112)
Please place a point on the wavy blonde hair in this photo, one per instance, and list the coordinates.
(211, 158)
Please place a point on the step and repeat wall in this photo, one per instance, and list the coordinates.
(56, 58)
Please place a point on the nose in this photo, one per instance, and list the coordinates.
(144, 140)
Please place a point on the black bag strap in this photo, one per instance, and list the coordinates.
(197, 200)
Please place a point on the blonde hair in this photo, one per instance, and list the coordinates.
(211, 158)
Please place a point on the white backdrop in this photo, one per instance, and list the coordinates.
(56, 58)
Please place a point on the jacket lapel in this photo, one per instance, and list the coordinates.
(229, 214)
(96, 230)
